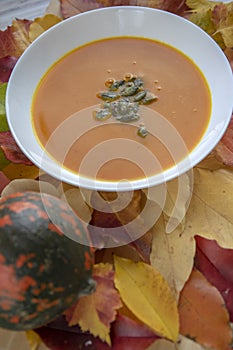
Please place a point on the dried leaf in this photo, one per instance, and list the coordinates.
(72, 7)
(216, 264)
(54, 8)
(96, 312)
(117, 219)
(224, 149)
(178, 196)
(146, 293)
(223, 21)
(215, 18)
(207, 216)
(203, 316)
(41, 24)
(15, 39)
(7, 64)
(21, 171)
(74, 196)
(183, 343)
(22, 185)
(172, 255)
(11, 150)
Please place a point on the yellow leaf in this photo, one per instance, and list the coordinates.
(227, 35)
(149, 297)
(210, 213)
(16, 171)
(198, 5)
(41, 24)
(172, 255)
(33, 340)
(179, 193)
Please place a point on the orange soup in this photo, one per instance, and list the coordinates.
(112, 149)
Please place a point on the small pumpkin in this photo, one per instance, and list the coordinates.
(44, 267)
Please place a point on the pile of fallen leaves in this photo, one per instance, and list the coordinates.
(171, 288)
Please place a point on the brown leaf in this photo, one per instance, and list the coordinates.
(224, 149)
(96, 312)
(116, 218)
(72, 7)
(203, 316)
(11, 149)
(15, 39)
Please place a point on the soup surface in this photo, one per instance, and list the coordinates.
(111, 150)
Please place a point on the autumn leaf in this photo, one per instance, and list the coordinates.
(11, 150)
(216, 264)
(215, 18)
(23, 185)
(210, 213)
(21, 171)
(146, 293)
(73, 7)
(183, 343)
(4, 181)
(172, 255)
(3, 121)
(203, 316)
(15, 39)
(96, 312)
(223, 21)
(74, 197)
(63, 340)
(224, 149)
(178, 196)
(35, 341)
(7, 64)
(41, 24)
(117, 218)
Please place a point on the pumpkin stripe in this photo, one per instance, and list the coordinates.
(42, 270)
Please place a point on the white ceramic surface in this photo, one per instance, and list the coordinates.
(110, 22)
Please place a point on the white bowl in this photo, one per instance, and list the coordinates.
(110, 22)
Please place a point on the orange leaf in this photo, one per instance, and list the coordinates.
(95, 312)
(203, 315)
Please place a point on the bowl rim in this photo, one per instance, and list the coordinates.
(187, 163)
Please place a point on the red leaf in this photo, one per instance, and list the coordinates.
(7, 64)
(224, 149)
(62, 340)
(3, 181)
(127, 327)
(134, 343)
(216, 264)
(15, 39)
(11, 149)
